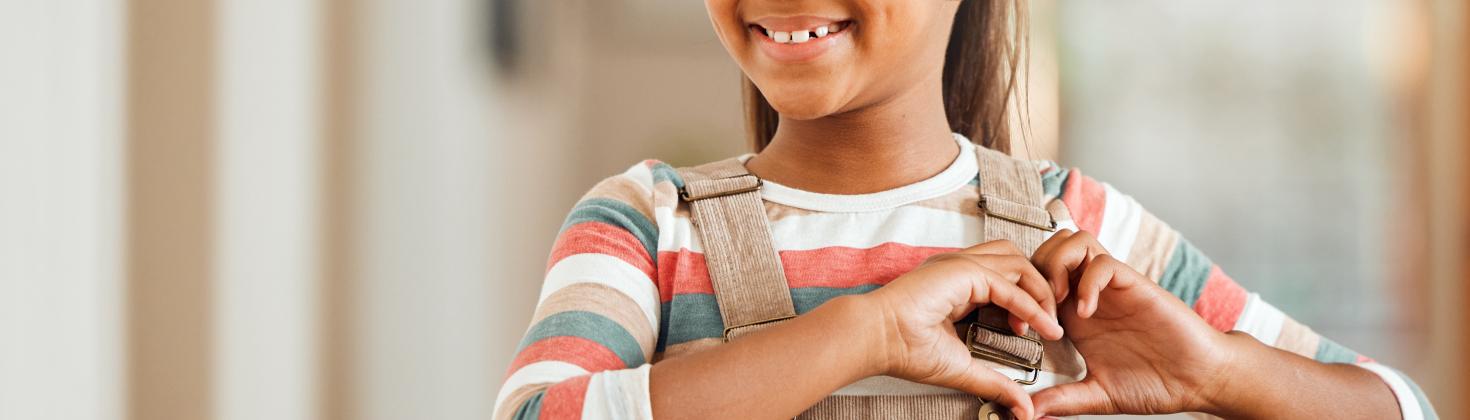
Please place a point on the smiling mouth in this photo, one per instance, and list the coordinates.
(801, 35)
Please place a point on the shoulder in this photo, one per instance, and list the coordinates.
(627, 202)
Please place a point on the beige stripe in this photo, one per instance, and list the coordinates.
(1153, 247)
(517, 397)
(1062, 358)
(689, 347)
(964, 200)
(665, 195)
(1297, 338)
(777, 211)
(627, 190)
(170, 157)
(1059, 211)
(604, 300)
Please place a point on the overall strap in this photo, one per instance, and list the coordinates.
(1011, 208)
(1010, 201)
(749, 284)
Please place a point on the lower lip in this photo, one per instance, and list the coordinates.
(796, 53)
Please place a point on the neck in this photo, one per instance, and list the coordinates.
(875, 148)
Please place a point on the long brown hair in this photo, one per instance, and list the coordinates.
(980, 68)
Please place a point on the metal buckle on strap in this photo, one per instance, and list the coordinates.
(686, 196)
(982, 340)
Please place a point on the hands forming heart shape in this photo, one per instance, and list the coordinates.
(1146, 351)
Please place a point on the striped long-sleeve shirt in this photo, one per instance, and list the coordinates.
(626, 285)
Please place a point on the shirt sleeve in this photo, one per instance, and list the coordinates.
(1147, 244)
(587, 352)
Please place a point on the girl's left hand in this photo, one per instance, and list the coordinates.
(1146, 352)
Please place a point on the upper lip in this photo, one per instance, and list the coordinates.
(793, 23)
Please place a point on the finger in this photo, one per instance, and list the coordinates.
(986, 288)
(1072, 254)
(1073, 399)
(1035, 285)
(1020, 271)
(1059, 281)
(1104, 271)
(983, 382)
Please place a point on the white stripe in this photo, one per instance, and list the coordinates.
(606, 270)
(1121, 216)
(642, 174)
(1260, 320)
(675, 233)
(618, 394)
(1408, 404)
(910, 225)
(543, 372)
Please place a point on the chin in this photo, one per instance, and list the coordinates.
(805, 105)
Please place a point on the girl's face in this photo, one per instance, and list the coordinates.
(815, 58)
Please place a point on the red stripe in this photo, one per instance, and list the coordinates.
(844, 267)
(682, 272)
(564, 400)
(601, 238)
(1222, 301)
(575, 350)
(1365, 359)
(1085, 199)
(685, 272)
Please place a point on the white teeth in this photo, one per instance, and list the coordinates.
(798, 37)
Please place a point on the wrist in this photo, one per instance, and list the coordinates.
(1236, 392)
(862, 316)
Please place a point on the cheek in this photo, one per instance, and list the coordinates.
(724, 17)
(907, 41)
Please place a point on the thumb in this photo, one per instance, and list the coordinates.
(1073, 399)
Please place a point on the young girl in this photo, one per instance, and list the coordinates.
(863, 114)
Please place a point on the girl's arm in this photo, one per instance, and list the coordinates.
(1147, 245)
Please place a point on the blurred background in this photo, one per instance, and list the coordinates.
(335, 209)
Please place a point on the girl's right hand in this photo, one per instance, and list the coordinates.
(919, 310)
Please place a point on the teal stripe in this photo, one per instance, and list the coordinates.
(1053, 182)
(590, 326)
(1419, 396)
(695, 316)
(1186, 273)
(691, 317)
(619, 214)
(664, 172)
(808, 298)
(1329, 351)
(531, 409)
